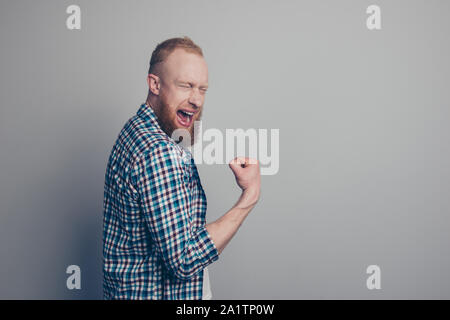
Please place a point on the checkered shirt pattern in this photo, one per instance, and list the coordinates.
(155, 244)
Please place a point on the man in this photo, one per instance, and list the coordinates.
(156, 244)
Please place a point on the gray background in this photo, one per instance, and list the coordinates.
(364, 140)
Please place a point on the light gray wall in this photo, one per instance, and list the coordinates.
(364, 140)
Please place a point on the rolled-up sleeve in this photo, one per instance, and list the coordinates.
(162, 184)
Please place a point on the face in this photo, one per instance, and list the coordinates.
(183, 81)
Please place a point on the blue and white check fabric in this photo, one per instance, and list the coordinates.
(155, 244)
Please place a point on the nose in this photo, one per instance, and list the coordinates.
(196, 98)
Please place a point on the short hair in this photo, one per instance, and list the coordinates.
(165, 48)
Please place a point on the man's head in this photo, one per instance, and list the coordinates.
(177, 81)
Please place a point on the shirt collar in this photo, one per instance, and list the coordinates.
(147, 113)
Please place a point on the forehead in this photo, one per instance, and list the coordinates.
(186, 66)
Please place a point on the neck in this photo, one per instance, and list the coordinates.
(150, 102)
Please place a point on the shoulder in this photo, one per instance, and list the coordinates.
(158, 150)
(142, 140)
(163, 161)
(162, 149)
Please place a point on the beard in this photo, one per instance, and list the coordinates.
(167, 120)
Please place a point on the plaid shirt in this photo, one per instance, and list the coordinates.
(155, 244)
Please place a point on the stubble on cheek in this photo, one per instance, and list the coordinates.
(165, 121)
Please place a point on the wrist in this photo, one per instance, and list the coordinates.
(248, 199)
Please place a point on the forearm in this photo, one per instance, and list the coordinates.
(224, 228)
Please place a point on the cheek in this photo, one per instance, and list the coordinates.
(176, 98)
(179, 97)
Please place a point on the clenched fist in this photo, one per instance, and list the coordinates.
(247, 174)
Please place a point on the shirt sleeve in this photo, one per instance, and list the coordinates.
(165, 201)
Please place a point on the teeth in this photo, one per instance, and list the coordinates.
(188, 113)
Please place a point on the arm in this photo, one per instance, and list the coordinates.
(248, 178)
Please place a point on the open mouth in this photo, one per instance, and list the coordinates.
(185, 117)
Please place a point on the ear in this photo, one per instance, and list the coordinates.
(153, 83)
